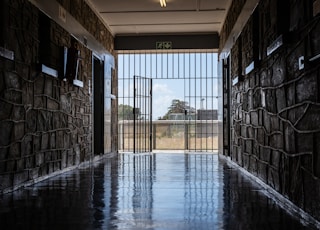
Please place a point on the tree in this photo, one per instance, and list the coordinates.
(178, 106)
(125, 112)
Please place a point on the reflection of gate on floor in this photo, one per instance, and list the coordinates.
(142, 115)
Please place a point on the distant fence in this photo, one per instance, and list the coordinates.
(195, 135)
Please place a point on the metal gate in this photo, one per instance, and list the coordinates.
(192, 78)
(142, 115)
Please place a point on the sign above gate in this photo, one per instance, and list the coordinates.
(164, 45)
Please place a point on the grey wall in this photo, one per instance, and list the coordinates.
(275, 123)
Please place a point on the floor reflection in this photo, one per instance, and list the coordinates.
(146, 191)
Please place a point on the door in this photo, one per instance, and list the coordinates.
(142, 115)
(226, 106)
(98, 105)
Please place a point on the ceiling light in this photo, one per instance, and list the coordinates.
(163, 3)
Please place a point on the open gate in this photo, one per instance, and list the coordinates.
(142, 115)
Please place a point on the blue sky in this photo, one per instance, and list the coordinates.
(185, 76)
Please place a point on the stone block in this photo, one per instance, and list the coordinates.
(57, 166)
(307, 88)
(44, 141)
(265, 155)
(54, 156)
(262, 171)
(39, 102)
(18, 113)
(248, 146)
(15, 151)
(30, 162)
(18, 131)
(50, 167)
(77, 151)
(274, 179)
(278, 71)
(65, 102)
(291, 94)
(48, 86)
(244, 130)
(316, 156)
(33, 173)
(66, 140)
(39, 159)
(52, 104)
(311, 187)
(260, 136)
(44, 121)
(6, 181)
(254, 118)
(276, 158)
(276, 141)
(266, 122)
(251, 132)
(47, 157)
(64, 155)
(281, 99)
(70, 158)
(4, 153)
(271, 101)
(250, 100)
(239, 155)
(39, 86)
(253, 166)
(60, 139)
(2, 167)
(43, 170)
(52, 141)
(264, 78)
(10, 166)
(12, 80)
(304, 142)
(307, 162)
(31, 121)
(27, 92)
(59, 120)
(274, 123)
(257, 99)
(5, 111)
(20, 177)
(310, 120)
(20, 164)
(36, 143)
(6, 129)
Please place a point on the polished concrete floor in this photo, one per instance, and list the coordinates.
(151, 191)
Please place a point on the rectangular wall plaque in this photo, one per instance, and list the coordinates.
(275, 45)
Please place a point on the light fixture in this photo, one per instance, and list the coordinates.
(163, 3)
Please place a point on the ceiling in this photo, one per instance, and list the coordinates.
(125, 17)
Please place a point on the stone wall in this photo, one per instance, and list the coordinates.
(275, 109)
(45, 123)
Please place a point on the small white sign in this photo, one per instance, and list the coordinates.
(62, 14)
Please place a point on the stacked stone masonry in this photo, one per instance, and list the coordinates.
(45, 123)
(275, 110)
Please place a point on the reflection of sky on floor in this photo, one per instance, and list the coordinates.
(146, 191)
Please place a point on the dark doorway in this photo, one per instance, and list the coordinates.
(98, 105)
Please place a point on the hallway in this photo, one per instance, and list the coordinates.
(150, 191)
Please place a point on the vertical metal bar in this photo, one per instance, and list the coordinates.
(134, 114)
(151, 115)
(123, 82)
(200, 79)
